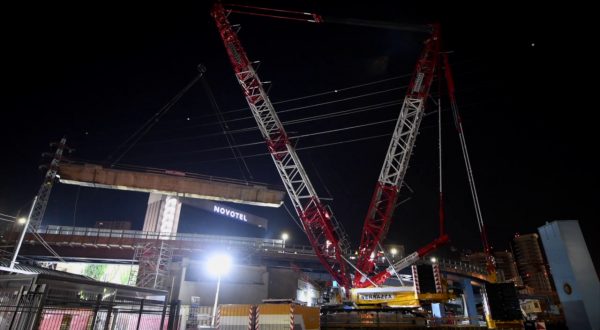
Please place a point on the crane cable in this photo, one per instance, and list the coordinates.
(306, 106)
(137, 135)
(441, 190)
(237, 154)
(45, 244)
(333, 114)
(491, 267)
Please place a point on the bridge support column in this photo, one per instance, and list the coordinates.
(469, 302)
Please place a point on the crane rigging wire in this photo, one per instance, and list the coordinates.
(223, 124)
(303, 107)
(140, 132)
(298, 136)
(333, 91)
(290, 122)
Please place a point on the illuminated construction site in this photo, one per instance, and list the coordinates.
(160, 278)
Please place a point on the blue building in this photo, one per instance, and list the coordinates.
(573, 271)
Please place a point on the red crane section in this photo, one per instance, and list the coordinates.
(384, 198)
(324, 233)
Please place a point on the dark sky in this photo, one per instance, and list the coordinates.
(96, 73)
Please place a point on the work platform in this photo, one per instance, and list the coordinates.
(171, 183)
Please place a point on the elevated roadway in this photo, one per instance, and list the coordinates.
(118, 246)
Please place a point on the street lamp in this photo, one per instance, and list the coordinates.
(25, 223)
(433, 260)
(284, 237)
(393, 251)
(218, 264)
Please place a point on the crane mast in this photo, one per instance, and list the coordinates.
(394, 168)
(324, 233)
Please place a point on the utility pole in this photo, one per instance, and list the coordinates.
(23, 232)
(43, 195)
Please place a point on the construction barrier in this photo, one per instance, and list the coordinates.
(235, 317)
(286, 316)
(268, 317)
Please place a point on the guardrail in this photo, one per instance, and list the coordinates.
(137, 234)
(106, 236)
(265, 244)
(464, 267)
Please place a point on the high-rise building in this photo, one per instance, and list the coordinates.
(162, 214)
(477, 259)
(505, 264)
(531, 263)
(573, 272)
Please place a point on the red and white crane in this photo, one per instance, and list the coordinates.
(324, 232)
(383, 202)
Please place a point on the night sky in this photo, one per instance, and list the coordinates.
(96, 74)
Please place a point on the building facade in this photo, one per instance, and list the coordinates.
(531, 263)
(505, 262)
(162, 214)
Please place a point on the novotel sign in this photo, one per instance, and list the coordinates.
(230, 213)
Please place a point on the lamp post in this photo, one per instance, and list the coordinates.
(218, 264)
(25, 223)
(284, 237)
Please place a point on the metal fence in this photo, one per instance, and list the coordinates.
(53, 303)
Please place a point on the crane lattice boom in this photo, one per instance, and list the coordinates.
(394, 168)
(324, 233)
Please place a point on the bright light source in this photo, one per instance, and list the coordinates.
(394, 251)
(21, 221)
(285, 236)
(433, 260)
(218, 264)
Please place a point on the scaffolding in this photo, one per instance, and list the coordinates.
(154, 261)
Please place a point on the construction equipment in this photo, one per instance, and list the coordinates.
(324, 233)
